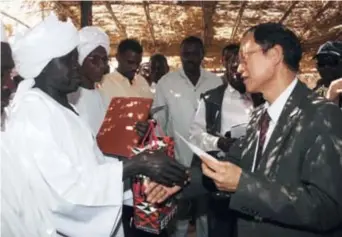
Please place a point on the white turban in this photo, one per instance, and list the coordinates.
(49, 39)
(91, 37)
(3, 36)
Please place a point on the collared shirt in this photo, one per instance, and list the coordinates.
(236, 109)
(181, 98)
(274, 110)
(116, 85)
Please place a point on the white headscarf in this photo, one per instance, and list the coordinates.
(49, 39)
(91, 37)
(32, 51)
(3, 36)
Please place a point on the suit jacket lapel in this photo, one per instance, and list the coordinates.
(288, 118)
(251, 139)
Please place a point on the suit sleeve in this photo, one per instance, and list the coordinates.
(315, 202)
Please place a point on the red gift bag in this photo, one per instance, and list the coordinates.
(152, 218)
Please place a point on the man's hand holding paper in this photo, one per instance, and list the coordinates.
(225, 175)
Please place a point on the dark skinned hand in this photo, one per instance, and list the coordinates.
(224, 143)
(141, 128)
(161, 169)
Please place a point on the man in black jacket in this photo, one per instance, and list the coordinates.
(285, 175)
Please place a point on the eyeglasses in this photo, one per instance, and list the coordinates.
(243, 56)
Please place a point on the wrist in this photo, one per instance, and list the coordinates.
(131, 168)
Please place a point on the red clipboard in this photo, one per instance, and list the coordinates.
(117, 135)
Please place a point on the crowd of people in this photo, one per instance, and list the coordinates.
(277, 143)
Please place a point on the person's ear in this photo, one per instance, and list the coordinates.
(276, 54)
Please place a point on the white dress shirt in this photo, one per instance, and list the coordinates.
(236, 109)
(181, 98)
(274, 110)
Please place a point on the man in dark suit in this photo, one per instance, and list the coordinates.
(285, 175)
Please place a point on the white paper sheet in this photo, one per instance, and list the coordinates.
(196, 149)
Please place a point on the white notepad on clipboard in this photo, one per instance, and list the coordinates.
(198, 151)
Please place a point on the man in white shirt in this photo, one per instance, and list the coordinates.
(285, 176)
(180, 92)
(158, 68)
(125, 81)
(229, 106)
(93, 52)
(82, 188)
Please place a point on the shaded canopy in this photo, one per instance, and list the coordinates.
(161, 25)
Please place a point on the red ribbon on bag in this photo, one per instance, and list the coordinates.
(152, 139)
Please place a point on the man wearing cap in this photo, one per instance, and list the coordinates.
(329, 66)
(93, 52)
(82, 188)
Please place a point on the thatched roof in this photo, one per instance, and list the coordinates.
(161, 25)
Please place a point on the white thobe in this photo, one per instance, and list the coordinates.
(236, 109)
(181, 98)
(22, 214)
(82, 188)
(90, 106)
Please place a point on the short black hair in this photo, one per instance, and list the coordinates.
(234, 48)
(130, 44)
(158, 57)
(267, 35)
(193, 40)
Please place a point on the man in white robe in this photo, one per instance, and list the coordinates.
(22, 214)
(93, 52)
(82, 188)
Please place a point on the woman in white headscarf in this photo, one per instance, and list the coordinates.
(81, 187)
(93, 52)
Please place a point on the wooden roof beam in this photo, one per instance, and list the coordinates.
(208, 10)
(288, 12)
(122, 28)
(315, 17)
(15, 19)
(238, 20)
(149, 22)
(64, 12)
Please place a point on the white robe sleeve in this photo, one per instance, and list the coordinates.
(198, 131)
(21, 212)
(85, 195)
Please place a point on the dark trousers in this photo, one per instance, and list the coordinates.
(130, 230)
(221, 220)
